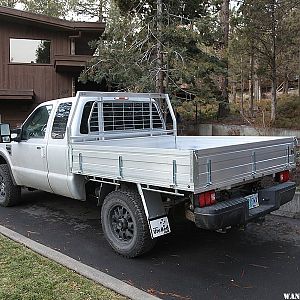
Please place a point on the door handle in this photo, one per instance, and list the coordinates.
(43, 152)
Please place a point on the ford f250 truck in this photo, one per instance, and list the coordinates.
(118, 148)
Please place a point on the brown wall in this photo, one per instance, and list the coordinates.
(14, 112)
(46, 83)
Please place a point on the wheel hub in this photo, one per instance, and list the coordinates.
(122, 223)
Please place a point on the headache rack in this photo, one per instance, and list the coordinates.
(120, 115)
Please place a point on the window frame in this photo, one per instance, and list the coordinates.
(42, 128)
(29, 63)
(152, 104)
(70, 103)
(87, 116)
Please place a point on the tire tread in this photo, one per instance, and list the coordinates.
(13, 192)
(144, 241)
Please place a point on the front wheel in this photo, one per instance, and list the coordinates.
(125, 225)
(10, 193)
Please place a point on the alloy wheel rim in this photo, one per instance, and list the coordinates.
(122, 224)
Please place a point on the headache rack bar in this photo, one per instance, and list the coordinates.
(119, 115)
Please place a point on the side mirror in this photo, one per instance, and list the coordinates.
(4, 133)
(16, 135)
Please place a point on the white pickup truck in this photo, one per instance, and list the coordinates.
(118, 148)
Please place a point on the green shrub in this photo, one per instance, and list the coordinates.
(288, 112)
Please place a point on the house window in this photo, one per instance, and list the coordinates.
(30, 51)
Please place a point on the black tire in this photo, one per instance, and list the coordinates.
(125, 225)
(10, 194)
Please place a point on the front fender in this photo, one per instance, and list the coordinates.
(5, 159)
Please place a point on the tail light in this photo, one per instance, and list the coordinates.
(283, 176)
(206, 199)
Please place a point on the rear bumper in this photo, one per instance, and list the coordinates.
(236, 211)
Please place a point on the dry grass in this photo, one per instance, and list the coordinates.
(28, 276)
(288, 112)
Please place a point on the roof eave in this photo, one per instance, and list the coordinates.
(55, 23)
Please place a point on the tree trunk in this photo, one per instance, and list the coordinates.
(257, 89)
(103, 10)
(285, 90)
(100, 10)
(274, 96)
(299, 77)
(299, 85)
(224, 21)
(251, 85)
(285, 83)
(234, 91)
(273, 65)
(160, 74)
(242, 87)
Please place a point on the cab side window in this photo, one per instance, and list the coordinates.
(61, 120)
(36, 125)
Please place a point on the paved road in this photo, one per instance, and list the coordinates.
(262, 262)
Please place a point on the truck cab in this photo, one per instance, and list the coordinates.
(39, 158)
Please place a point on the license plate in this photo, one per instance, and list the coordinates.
(159, 227)
(252, 200)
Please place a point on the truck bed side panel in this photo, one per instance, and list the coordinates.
(146, 166)
(230, 165)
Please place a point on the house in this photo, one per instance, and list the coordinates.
(41, 58)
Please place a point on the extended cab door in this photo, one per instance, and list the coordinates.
(57, 151)
(29, 157)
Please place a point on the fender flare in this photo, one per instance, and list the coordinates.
(5, 160)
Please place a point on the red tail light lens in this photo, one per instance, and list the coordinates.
(283, 176)
(201, 199)
(207, 198)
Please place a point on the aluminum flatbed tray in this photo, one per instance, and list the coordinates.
(185, 163)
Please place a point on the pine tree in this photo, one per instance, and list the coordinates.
(266, 24)
(128, 50)
(9, 3)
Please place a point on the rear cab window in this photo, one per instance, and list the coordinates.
(61, 120)
(118, 116)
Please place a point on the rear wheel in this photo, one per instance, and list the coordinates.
(125, 225)
(10, 193)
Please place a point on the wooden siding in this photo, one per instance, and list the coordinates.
(70, 63)
(42, 79)
(27, 95)
(46, 83)
(14, 112)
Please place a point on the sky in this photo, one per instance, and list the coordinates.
(71, 16)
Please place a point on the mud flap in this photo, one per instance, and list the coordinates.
(155, 212)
